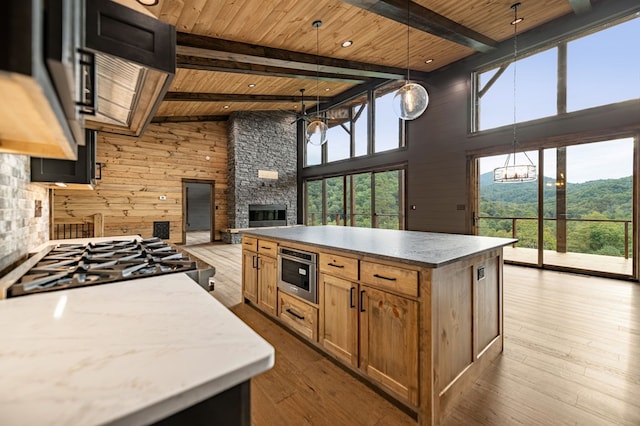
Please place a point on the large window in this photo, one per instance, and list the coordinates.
(369, 200)
(359, 127)
(593, 70)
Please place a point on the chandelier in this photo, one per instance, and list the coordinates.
(511, 171)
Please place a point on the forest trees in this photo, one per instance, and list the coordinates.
(599, 214)
(350, 200)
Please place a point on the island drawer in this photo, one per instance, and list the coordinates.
(298, 315)
(270, 248)
(400, 280)
(249, 243)
(339, 266)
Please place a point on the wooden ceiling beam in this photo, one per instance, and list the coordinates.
(580, 6)
(209, 64)
(233, 97)
(426, 20)
(226, 50)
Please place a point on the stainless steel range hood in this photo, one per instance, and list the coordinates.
(135, 62)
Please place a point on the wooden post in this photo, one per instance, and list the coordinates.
(98, 225)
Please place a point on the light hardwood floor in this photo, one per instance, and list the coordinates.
(572, 357)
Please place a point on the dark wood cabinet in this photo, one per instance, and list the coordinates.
(75, 174)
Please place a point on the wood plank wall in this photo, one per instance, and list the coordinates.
(137, 171)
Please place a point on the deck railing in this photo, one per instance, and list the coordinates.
(514, 228)
(341, 218)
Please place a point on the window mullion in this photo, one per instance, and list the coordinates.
(562, 79)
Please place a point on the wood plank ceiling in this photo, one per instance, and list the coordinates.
(236, 55)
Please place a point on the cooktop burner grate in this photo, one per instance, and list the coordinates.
(78, 265)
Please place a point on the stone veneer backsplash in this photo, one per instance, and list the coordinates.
(260, 141)
(20, 229)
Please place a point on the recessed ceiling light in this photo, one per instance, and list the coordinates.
(148, 2)
(252, 85)
(226, 107)
(517, 21)
(428, 61)
(327, 90)
(347, 43)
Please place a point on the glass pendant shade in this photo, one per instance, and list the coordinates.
(317, 132)
(410, 101)
(515, 173)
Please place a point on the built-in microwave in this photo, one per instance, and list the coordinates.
(298, 273)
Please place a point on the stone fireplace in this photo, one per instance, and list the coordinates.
(262, 170)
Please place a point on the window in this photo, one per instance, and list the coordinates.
(388, 127)
(361, 135)
(600, 69)
(603, 68)
(349, 123)
(370, 199)
(536, 78)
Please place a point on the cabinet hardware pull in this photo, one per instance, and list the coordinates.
(88, 93)
(351, 304)
(335, 266)
(362, 301)
(384, 278)
(300, 317)
(266, 248)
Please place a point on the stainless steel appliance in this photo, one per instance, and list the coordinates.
(298, 273)
(68, 266)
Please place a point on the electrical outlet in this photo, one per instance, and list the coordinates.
(480, 273)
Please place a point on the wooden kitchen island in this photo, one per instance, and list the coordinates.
(417, 314)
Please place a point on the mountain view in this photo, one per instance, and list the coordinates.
(604, 206)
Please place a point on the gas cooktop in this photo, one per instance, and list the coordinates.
(77, 265)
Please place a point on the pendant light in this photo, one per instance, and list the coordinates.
(317, 129)
(515, 172)
(411, 100)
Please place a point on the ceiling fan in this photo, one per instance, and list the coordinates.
(302, 115)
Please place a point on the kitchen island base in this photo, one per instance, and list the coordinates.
(422, 326)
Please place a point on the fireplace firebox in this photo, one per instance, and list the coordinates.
(261, 215)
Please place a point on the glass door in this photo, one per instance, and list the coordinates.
(579, 215)
(588, 205)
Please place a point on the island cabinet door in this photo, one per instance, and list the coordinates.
(250, 276)
(339, 318)
(389, 341)
(267, 283)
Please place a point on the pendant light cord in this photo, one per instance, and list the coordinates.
(515, 23)
(317, 25)
(408, 19)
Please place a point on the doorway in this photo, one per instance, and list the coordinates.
(198, 211)
(578, 216)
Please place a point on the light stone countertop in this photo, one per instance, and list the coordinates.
(427, 249)
(129, 352)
